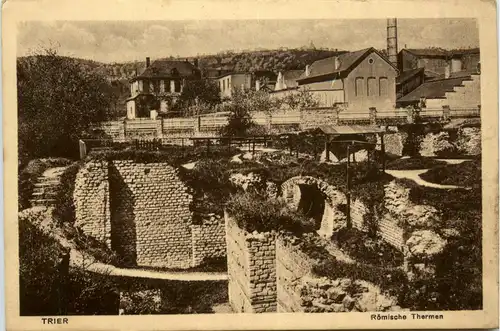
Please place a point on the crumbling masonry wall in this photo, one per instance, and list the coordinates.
(251, 263)
(91, 200)
(142, 211)
(208, 239)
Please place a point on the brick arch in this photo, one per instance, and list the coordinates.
(333, 217)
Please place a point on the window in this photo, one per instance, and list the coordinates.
(383, 87)
(162, 86)
(224, 85)
(370, 61)
(359, 86)
(371, 87)
(177, 86)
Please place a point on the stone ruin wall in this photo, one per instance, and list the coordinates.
(291, 265)
(333, 218)
(251, 259)
(91, 200)
(142, 211)
(298, 290)
(150, 212)
(208, 239)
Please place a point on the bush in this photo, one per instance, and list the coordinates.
(414, 163)
(467, 173)
(39, 276)
(254, 212)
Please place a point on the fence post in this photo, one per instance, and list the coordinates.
(83, 149)
(446, 112)
(373, 115)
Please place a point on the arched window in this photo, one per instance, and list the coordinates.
(383, 87)
(371, 87)
(359, 90)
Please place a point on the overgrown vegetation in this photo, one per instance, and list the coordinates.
(458, 281)
(367, 249)
(48, 287)
(391, 280)
(414, 163)
(58, 100)
(467, 173)
(256, 212)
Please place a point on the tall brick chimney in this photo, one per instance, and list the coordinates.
(392, 41)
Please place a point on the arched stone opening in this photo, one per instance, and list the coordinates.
(312, 203)
(319, 200)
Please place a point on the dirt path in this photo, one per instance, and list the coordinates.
(415, 176)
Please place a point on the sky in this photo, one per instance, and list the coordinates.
(119, 41)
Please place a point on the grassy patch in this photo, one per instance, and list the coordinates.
(466, 174)
(414, 163)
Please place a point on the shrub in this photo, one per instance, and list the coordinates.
(254, 212)
(414, 163)
(39, 276)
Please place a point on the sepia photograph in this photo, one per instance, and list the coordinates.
(250, 166)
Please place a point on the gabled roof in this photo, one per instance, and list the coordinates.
(434, 89)
(169, 68)
(406, 75)
(347, 62)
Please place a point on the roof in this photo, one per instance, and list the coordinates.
(434, 89)
(232, 74)
(406, 75)
(440, 52)
(290, 77)
(347, 62)
(347, 129)
(166, 68)
(431, 52)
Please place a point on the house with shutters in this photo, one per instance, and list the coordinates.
(159, 86)
(355, 80)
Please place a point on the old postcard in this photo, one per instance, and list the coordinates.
(226, 165)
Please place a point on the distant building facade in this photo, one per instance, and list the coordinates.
(229, 81)
(158, 85)
(357, 80)
(436, 60)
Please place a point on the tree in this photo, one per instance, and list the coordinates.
(202, 91)
(58, 101)
(300, 99)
